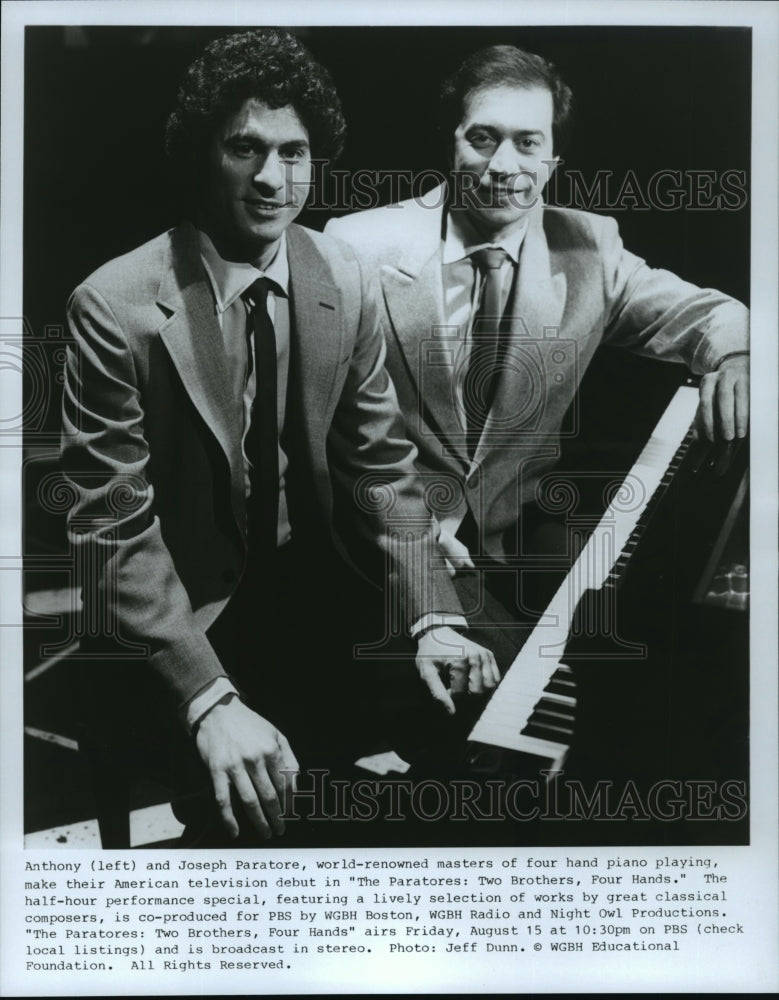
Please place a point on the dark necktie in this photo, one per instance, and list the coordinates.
(482, 375)
(262, 437)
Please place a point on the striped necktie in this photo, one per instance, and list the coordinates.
(483, 368)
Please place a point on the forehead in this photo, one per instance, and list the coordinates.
(254, 117)
(510, 107)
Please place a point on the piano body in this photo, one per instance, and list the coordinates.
(636, 673)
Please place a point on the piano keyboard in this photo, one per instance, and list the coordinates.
(531, 711)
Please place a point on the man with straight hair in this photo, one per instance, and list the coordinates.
(494, 305)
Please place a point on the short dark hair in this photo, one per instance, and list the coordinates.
(269, 65)
(502, 66)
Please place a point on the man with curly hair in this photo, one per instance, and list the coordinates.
(236, 447)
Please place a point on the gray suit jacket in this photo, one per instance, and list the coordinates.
(152, 445)
(576, 287)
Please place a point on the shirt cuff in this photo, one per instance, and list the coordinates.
(434, 619)
(733, 354)
(730, 333)
(205, 700)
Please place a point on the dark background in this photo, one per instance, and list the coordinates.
(96, 101)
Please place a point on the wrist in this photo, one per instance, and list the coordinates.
(435, 620)
(731, 357)
(441, 633)
(224, 700)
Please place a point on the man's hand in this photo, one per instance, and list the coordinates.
(455, 553)
(723, 411)
(242, 749)
(466, 666)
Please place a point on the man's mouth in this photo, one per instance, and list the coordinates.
(491, 196)
(266, 207)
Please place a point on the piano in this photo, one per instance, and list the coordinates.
(533, 710)
(635, 671)
(675, 514)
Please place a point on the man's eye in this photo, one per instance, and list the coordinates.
(529, 143)
(242, 149)
(293, 155)
(481, 140)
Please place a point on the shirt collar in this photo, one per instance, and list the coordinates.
(229, 279)
(462, 239)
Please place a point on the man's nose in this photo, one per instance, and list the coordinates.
(270, 173)
(505, 160)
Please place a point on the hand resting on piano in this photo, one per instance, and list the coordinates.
(723, 408)
(445, 655)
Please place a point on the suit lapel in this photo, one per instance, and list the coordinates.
(317, 333)
(194, 341)
(538, 301)
(413, 293)
(538, 297)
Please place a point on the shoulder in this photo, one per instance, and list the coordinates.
(133, 272)
(575, 229)
(117, 305)
(317, 258)
(382, 234)
(307, 248)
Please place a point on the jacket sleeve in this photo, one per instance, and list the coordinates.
(654, 312)
(132, 595)
(372, 462)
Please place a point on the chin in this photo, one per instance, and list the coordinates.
(265, 234)
(258, 236)
(267, 230)
(495, 219)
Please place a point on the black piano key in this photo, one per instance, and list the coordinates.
(554, 725)
(564, 675)
(554, 708)
(542, 732)
(560, 687)
(542, 722)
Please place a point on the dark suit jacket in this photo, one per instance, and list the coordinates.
(576, 287)
(151, 445)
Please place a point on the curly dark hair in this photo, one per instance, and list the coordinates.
(270, 65)
(505, 66)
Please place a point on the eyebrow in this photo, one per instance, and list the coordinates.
(248, 136)
(493, 128)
